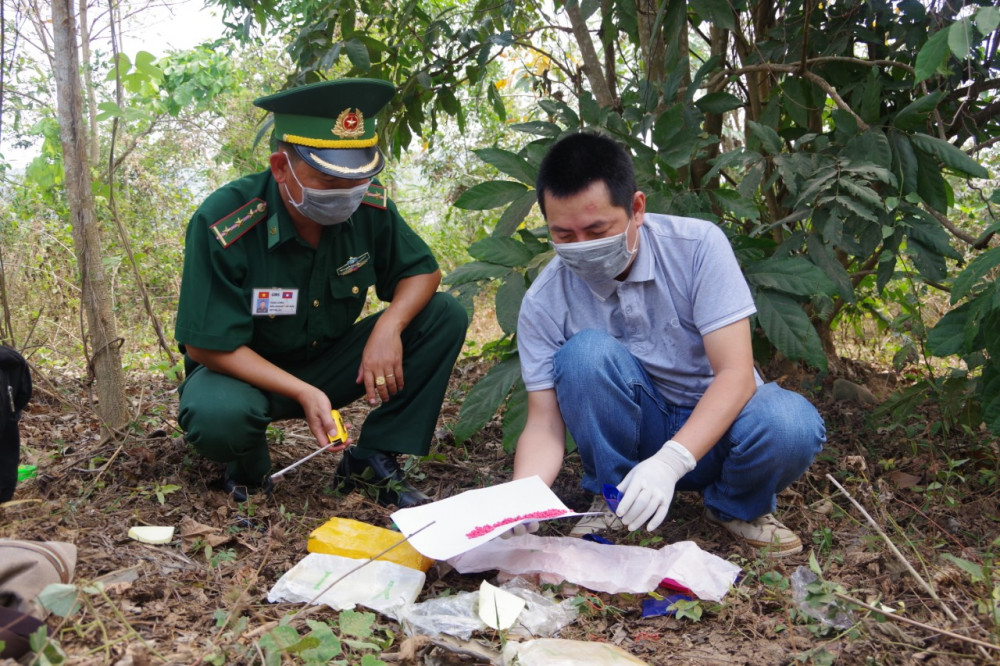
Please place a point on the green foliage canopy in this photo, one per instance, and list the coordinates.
(826, 140)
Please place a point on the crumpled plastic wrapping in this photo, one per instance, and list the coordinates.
(834, 613)
(457, 615)
(542, 616)
(379, 585)
(603, 568)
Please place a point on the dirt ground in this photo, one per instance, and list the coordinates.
(201, 598)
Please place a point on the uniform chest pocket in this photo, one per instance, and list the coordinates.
(352, 280)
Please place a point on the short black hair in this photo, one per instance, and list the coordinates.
(289, 151)
(575, 162)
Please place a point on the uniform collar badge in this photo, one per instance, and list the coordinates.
(231, 227)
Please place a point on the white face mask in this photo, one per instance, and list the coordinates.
(326, 207)
(599, 259)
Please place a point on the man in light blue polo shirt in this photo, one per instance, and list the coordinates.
(636, 338)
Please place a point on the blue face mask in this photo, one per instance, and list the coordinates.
(326, 207)
(600, 259)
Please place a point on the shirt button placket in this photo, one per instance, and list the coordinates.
(632, 320)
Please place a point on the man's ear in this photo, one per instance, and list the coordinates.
(279, 166)
(638, 207)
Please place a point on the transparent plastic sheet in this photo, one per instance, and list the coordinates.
(458, 615)
(603, 568)
(455, 615)
(833, 614)
(543, 615)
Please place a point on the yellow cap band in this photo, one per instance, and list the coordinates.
(330, 143)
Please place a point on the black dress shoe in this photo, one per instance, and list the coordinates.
(241, 491)
(381, 476)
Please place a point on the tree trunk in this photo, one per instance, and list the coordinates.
(651, 46)
(88, 85)
(713, 121)
(592, 67)
(105, 366)
(6, 334)
(764, 15)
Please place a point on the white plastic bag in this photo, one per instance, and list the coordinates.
(379, 585)
(601, 567)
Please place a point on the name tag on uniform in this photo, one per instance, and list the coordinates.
(273, 302)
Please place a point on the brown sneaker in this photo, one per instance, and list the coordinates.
(607, 520)
(765, 532)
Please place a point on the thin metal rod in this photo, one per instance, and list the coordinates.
(295, 464)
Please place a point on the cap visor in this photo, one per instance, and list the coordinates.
(354, 163)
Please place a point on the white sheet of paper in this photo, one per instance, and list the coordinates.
(466, 520)
(499, 608)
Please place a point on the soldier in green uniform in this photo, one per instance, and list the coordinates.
(277, 268)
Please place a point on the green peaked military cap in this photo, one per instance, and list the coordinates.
(331, 124)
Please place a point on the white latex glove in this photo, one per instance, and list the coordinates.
(648, 488)
(521, 529)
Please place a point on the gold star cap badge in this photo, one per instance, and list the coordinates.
(350, 124)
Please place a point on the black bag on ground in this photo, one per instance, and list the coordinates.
(15, 391)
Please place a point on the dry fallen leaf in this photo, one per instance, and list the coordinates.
(904, 480)
(192, 530)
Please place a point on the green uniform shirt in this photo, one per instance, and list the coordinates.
(242, 242)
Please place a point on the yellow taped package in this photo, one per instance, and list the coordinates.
(352, 538)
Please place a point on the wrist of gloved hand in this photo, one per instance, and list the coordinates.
(679, 458)
(648, 488)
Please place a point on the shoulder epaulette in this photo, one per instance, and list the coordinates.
(376, 196)
(240, 221)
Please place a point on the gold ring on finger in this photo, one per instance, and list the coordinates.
(380, 381)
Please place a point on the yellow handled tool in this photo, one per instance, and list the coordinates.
(341, 435)
(338, 439)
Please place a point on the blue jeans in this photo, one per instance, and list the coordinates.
(618, 418)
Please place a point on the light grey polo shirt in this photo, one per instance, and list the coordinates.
(684, 283)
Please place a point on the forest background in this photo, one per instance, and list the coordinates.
(848, 149)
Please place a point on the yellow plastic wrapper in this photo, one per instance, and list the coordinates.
(352, 538)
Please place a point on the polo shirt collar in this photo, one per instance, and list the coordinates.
(642, 270)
